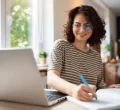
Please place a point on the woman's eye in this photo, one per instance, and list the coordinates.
(77, 25)
(88, 26)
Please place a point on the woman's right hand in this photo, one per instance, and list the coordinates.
(82, 92)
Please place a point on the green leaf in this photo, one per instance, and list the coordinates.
(42, 54)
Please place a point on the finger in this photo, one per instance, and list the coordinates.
(94, 96)
(85, 100)
(93, 87)
(86, 96)
(115, 86)
(119, 85)
(89, 90)
(82, 99)
(112, 86)
(82, 94)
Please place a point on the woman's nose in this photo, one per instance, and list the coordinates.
(82, 29)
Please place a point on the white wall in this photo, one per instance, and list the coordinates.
(48, 34)
(3, 23)
(97, 7)
(113, 25)
(61, 7)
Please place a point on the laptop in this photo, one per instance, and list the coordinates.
(20, 79)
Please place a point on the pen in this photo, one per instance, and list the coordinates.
(84, 81)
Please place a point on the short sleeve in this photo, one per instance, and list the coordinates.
(57, 56)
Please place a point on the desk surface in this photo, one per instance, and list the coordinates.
(65, 105)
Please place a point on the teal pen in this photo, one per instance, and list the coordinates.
(84, 81)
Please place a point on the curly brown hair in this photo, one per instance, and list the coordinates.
(92, 16)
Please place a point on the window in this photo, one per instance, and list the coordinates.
(21, 24)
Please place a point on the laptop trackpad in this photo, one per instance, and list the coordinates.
(54, 95)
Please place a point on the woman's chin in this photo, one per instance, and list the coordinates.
(82, 39)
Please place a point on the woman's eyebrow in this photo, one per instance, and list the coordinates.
(87, 23)
(80, 23)
(77, 22)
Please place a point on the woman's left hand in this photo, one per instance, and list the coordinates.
(114, 86)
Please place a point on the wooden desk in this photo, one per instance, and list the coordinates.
(65, 105)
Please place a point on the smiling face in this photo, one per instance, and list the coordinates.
(82, 29)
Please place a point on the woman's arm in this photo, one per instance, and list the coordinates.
(54, 80)
(79, 92)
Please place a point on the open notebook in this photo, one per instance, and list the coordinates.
(107, 99)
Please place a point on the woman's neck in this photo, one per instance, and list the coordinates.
(81, 46)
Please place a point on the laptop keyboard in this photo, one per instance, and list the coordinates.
(53, 95)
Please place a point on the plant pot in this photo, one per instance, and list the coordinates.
(42, 60)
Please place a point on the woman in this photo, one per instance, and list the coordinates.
(72, 57)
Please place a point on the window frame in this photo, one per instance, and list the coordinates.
(2, 24)
(37, 25)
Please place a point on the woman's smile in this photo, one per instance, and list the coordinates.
(82, 36)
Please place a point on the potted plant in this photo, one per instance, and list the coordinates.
(107, 49)
(42, 55)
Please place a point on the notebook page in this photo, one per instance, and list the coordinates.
(106, 100)
(112, 94)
